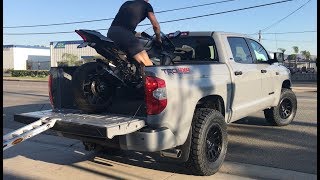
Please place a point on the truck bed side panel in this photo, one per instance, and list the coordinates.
(185, 90)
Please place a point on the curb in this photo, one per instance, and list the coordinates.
(304, 89)
(263, 172)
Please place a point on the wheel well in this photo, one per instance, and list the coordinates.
(286, 84)
(213, 102)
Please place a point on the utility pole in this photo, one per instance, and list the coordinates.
(259, 35)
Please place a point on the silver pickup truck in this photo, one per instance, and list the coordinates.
(217, 78)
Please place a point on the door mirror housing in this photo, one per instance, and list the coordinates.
(177, 33)
(279, 57)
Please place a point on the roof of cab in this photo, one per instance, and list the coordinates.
(210, 33)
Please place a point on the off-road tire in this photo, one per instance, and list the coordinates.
(81, 100)
(203, 121)
(273, 115)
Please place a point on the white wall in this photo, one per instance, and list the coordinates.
(56, 53)
(21, 56)
(8, 58)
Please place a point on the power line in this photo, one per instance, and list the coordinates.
(296, 32)
(169, 21)
(287, 40)
(285, 16)
(195, 6)
(108, 19)
(224, 12)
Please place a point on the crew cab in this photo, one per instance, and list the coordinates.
(216, 78)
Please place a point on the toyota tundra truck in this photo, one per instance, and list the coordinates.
(216, 78)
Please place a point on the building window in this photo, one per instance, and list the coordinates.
(60, 45)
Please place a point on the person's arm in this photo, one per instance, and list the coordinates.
(155, 24)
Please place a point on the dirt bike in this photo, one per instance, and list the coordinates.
(95, 83)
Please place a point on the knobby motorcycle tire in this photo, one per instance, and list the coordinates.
(81, 100)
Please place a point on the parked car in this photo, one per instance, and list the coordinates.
(311, 70)
(294, 70)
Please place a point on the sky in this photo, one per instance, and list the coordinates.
(34, 12)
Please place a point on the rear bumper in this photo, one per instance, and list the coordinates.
(148, 140)
(91, 129)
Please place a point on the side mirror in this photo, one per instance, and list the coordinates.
(177, 33)
(279, 57)
(143, 34)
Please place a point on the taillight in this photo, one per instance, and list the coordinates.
(156, 96)
(82, 36)
(50, 90)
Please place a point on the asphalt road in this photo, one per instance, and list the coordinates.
(251, 140)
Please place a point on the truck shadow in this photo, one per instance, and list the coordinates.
(141, 159)
(273, 141)
(255, 121)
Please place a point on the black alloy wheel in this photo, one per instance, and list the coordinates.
(95, 89)
(213, 143)
(285, 109)
(92, 91)
(284, 113)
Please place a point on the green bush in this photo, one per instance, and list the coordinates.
(63, 64)
(29, 73)
(69, 63)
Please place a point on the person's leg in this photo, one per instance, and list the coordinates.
(143, 58)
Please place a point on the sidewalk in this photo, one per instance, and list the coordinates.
(58, 157)
(304, 86)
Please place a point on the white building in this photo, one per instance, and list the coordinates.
(58, 48)
(16, 56)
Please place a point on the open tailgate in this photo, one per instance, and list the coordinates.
(90, 125)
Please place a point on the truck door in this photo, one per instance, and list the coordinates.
(268, 72)
(247, 79)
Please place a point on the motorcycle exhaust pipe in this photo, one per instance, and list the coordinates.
(172, 153)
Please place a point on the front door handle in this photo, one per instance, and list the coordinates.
(238, 73)
(263, 71)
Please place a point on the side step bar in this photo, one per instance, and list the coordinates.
(28, 131)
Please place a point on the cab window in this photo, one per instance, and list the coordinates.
(240, 50)
(260, 54)
(195, 48)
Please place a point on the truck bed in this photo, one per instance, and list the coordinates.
(125, 102)
(126, 114)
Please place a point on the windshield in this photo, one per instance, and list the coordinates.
(151, 33)
(166, 42)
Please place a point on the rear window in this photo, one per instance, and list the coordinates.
(196, 48)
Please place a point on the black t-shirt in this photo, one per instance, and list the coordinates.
(131, 13)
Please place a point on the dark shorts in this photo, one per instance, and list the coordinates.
(125, 40)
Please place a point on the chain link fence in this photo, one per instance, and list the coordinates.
(38, 65)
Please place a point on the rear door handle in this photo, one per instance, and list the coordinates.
(263, 71)
(238, 73)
